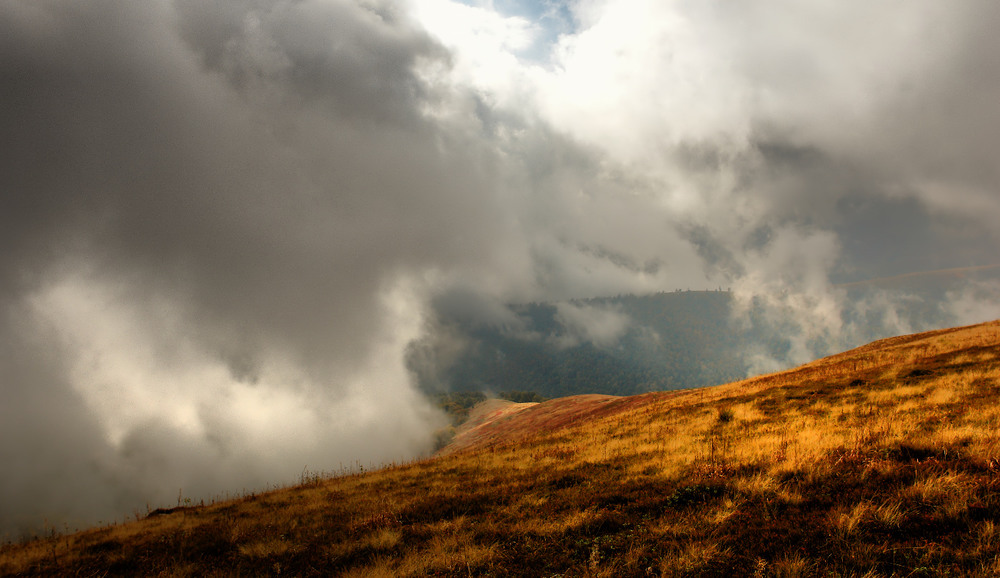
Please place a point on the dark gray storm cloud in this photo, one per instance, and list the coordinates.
(224, 223)
(209, 217)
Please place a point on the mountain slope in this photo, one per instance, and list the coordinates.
(879, 461)
(498, 421)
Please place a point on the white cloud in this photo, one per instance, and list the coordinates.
(157, 395)
(485, 46)
(639, 77)
(600, 326)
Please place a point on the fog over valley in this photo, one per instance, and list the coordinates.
(244, 238)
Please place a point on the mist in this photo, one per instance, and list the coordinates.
(224, 225)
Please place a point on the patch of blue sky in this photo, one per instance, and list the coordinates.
(552, 18)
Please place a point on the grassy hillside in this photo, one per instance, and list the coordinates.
(881, 461)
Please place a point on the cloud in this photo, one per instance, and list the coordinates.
(976, 302)
(218, 221)
(601, 326)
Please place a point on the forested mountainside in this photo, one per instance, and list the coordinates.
(665, 341)
(631, 344)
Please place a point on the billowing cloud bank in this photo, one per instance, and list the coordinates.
(222, 223)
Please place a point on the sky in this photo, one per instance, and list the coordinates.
(222, 223)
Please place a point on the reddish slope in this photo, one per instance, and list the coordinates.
(497, 421)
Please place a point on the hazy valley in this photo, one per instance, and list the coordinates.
(632, 344)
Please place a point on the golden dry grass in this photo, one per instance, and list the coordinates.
(881, 461)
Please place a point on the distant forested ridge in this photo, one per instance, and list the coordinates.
(666, 341)
(632, 344)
